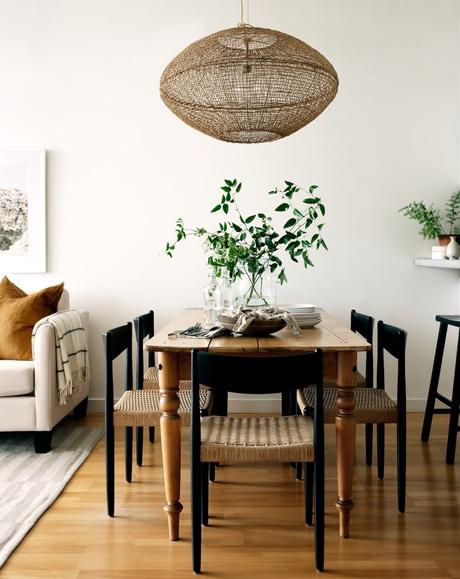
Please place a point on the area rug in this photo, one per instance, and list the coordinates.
(30, 483)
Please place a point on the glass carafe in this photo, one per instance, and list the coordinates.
(225, 299)
(209, 300)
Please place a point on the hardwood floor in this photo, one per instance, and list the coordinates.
(256, 525)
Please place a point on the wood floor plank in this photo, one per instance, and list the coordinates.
(256, 524)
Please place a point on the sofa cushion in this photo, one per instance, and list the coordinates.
(64, 302)
(16, 377)
(18, 314)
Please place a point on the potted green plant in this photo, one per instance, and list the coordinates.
(436, 223)
(250, 246)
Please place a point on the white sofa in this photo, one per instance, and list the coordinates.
(28, 390)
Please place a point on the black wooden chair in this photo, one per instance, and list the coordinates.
(453, 404)
(392, 340)
(135, 407)
(144, 327)
(363, 325)
(265, 439)
(148, 380)
(373, 405)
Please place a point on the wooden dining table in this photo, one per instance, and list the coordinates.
(340, 346)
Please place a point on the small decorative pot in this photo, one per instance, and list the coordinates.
(453, 249)
(444, 239)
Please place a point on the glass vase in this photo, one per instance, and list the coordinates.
(257, 290)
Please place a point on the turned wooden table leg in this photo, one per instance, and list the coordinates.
(168, 366)
(345, 425)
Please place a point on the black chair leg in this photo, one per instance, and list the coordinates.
(431, 399)
(139, 445)
(151, 434)
(212, 471)
(298, 471)
(452, 437)
(128, 453)
(308, 491)
(369, 441)
(204, 493)
(220, 408)
(401, 452)
(285, 404)
(196, 516)
(293, 410)
(380, 450)
(42, 441)
(110, 468)
(454, 410)
(319, 513)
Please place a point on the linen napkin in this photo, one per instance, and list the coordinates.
(246, 317)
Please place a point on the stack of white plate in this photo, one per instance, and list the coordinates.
(306, 315)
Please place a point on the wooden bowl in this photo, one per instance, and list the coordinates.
(256, 328)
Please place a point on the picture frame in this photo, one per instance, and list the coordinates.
(22, 211)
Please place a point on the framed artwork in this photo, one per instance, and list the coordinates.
(22, 212)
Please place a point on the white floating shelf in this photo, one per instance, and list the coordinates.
(440, 263)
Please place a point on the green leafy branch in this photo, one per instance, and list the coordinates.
(249, 245)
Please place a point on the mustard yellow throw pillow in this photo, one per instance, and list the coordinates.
(18, 314)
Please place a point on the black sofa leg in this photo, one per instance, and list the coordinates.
(42, 441)
(81, 408)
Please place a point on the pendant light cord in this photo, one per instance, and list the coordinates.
(242, 23)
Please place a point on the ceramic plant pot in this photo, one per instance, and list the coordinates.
(443, 240)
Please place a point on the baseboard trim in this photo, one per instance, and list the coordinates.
(254, 405)
(260, 406)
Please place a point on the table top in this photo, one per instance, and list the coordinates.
(330, 335)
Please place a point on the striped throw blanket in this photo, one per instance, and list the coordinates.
(72, 366)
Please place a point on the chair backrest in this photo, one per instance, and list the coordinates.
(144, 328)
(255, 374)
(393, 340)
(117, 341)
(364, 325)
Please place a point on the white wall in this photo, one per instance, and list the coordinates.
(81, 80)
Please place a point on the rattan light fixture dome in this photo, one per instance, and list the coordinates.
(248, 84)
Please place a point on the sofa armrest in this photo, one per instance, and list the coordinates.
(85, 321)
(46, 396)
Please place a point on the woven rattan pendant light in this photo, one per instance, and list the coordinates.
(248, 84)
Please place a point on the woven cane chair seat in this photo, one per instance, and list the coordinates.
(331, 383)
(372, 405)
(262, 439)
(142, 407)
(152, 381)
